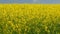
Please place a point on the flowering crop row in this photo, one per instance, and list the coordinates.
(29, 19)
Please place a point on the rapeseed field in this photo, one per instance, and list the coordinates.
(29, 19)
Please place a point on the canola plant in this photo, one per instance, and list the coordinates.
(29, 19)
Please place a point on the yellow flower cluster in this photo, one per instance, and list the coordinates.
(29, 19)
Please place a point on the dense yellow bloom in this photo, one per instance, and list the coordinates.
(29, 19)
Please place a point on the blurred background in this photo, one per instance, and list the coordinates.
(31, 1)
